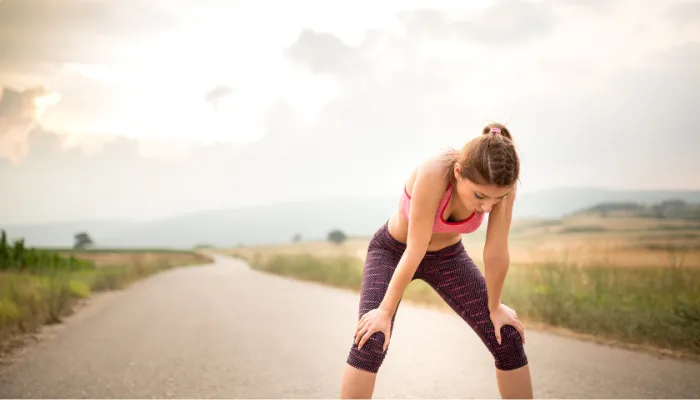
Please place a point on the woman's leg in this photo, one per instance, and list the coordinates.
(515, 384)
(455, 277)
(357, 383)
(360, 374)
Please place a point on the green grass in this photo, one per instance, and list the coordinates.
(650, 306)
(659, 307)
(28, 301)
(337, 271)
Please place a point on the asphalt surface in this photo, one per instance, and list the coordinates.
(226, 331)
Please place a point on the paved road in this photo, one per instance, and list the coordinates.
(225, 331)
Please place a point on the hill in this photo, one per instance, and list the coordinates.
(669, 209)
(557, 203)
(313, 220)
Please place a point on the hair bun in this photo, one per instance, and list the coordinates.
(497, 129)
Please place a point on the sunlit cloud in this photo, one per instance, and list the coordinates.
(20, 112)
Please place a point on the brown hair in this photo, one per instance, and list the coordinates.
(490, 158)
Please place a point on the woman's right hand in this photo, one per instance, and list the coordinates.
(504, 315)
(376, 320)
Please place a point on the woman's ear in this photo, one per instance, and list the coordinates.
(457, 170)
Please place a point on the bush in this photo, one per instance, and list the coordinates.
(337, 236)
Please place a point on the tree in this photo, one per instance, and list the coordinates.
(4, 250)
(82, 240)
(337, 236)
(296, 238)
(6, 256)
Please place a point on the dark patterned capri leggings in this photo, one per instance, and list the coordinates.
(455, 277)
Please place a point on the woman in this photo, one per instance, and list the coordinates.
(445, 197)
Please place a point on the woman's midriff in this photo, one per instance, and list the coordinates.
(398, 228)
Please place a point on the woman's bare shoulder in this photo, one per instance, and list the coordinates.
(433, 170)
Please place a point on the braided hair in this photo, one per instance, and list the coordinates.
(490, 158)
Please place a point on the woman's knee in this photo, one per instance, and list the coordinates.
(510, 353)
(371, 356)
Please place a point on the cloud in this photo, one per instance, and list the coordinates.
(74, 30)
(593, 5)
(20, 112)
(607, 92)
(324, 53)
(452, 46)
(216, 94)
(685, 13)
(634, 130)
(24, 113)
(507, 22)
(561, 100)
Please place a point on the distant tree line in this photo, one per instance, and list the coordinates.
(336, 236)
(670, 209)
(17, 256)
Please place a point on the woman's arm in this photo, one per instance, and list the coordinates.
(496, 254)
(427, 192)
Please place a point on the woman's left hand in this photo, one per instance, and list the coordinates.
(504, 315)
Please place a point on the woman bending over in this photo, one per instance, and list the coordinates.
(445, 197)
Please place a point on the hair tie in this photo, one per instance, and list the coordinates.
(495, 130)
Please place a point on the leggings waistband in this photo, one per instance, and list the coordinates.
(384, 238)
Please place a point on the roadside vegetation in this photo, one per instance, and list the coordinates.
(42, 286)
(631, 281)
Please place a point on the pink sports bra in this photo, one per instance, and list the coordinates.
(468, 225)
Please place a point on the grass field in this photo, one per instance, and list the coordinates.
(102, 258)
(353, 248)
(42, 286)
(594, 241)
(614, 242)
(629, 280)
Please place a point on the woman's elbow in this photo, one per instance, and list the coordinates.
(415, 252)
(496, 257)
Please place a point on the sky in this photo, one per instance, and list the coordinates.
(142, 109)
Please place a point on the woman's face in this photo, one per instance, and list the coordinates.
(479, 198)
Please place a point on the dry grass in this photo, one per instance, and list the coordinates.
(619, 242)
(591, 241)
(106, 259)
(351, 248)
